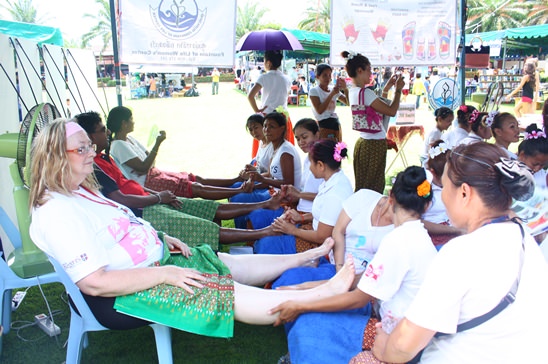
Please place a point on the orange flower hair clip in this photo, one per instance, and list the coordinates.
(423, 190)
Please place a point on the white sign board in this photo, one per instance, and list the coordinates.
(395, 32)
(189, 33)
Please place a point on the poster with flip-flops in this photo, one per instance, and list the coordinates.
(395, 32)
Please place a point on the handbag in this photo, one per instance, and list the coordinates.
(476, 56)
(365, 118)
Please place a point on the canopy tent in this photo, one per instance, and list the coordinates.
(532, 40)
(314, 43)
(39, 33)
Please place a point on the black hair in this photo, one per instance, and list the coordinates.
(438, 162)
(405, 190)
(464, 116)
(254, 118)
(533, 146)
(474, 164)
(357, 61)
(322, 67)
(279, 118)
(323, 150)
(478, 122)
(88, 121)
(275, 58)
(499, 119)
(116, 116)
(443, 112)
(308, 124)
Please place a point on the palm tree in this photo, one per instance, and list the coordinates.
(318, 17)
(538, 14)
(249, 18)
(488, 15)
(23, 11)
(103, 27)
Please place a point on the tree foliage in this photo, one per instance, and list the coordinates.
(248, 18)
(489, 15)
(22, 11)
(103, 27)
(318, 16)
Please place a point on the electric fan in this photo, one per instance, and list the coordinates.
(28, 261)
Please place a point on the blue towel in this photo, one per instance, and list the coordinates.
(262, 218)
(259, 195)
(279, 244)
(331, 337)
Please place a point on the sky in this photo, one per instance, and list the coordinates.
(68, 15)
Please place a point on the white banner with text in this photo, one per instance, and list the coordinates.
(395, 32)
(167, 32)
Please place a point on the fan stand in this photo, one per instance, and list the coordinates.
(27, 261)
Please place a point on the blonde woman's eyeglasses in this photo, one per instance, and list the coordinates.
(83, 150)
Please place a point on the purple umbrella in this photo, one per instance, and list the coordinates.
(268, 40)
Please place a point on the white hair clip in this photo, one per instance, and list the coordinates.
(437, 150)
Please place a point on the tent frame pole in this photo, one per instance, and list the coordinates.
(114, 37)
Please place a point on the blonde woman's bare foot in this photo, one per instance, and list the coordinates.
(342, 281)
(313, 255)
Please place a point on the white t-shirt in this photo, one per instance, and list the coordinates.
(275, 89)
(398, 269)
(322, 95)
(87, 231)
(436, 213)
(471, 138)
(123, 151)
(276, 168)
(361, 237)
(468, 278)
(454, 137)
(264, 156)
(309, 184)
(328, 202)
(435, 134)
(369, 96)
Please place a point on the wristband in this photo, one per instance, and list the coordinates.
(302, 218)
(159, 198)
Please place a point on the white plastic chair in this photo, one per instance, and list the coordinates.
(10, 280)
(85, 321)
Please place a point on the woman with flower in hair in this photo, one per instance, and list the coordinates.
(530, 90)
(480, 129)
(435, 218)
(484, 294)
(444, 117)
(461, 130)
(325, 162)
(505, 129)
(533, 151)
(333, 330)
(370, 149)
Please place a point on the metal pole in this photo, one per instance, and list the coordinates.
(462, 70)
(113, 29)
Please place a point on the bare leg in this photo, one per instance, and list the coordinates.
(251, 304)
(228, 235)
(256, 270)
(219, 193)
(517, 109)
(233, 209)
(218, 182)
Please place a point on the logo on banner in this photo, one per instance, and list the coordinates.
(446, 92)
(178, 19)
